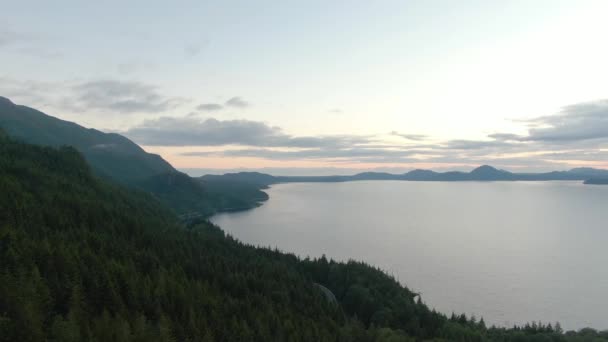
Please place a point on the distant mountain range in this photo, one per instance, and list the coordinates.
(482, 173)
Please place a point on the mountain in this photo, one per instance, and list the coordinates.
(597, 181)
(111, 155)
(84, 259)
(486, 172)
(247, 186)
(257, 179)
(481, 173)
(589, 172)
(114, 157)
(237, 191)
(87, 260)
(418, 174)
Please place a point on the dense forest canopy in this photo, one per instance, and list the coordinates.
(85, 259)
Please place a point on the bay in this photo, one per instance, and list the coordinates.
(510, 252)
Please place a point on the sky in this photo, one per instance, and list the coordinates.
(315, 87)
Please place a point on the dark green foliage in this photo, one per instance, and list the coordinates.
(184, 193)
(257, 179)
(86, 260)
(83, 259)
(232, 195)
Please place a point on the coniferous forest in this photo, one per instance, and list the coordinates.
(85, 259)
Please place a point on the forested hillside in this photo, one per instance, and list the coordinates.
(115, 157)
(110, 154)
(87, 260)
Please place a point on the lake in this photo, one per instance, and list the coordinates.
(509, 252)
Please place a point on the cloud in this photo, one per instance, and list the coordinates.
(336, 111)
(192, 50)
(38, 52)
(574, 135)
(506, 137)
(134, 66)
(581, 126)
(9, 37)
(187, 131)
(191, 131)
(28, 91)
(237, 102)
(577, 122)
(26, 44)
(414, 137)
(387, 157)
(358, 153)
(461, 144)
(209, 107)
(108, 95)
(122, 97)
(92, 96)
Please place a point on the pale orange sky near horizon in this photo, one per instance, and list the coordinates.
(172, 155)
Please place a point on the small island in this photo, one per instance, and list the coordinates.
(596, 181)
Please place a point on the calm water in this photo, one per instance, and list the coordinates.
(508, 251)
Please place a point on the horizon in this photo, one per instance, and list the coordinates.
(195, 172)
(318, 87)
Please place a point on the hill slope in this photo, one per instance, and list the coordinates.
(85, 260)
(111, 156)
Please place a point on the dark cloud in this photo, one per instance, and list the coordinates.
(237, 102)
(585, 155)
(211, 132)
(190, 131)
(209, 107)
(506, 137)
(122, 97)
(577, 122)
(414, 137)
(582, 127)
(461, 144)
